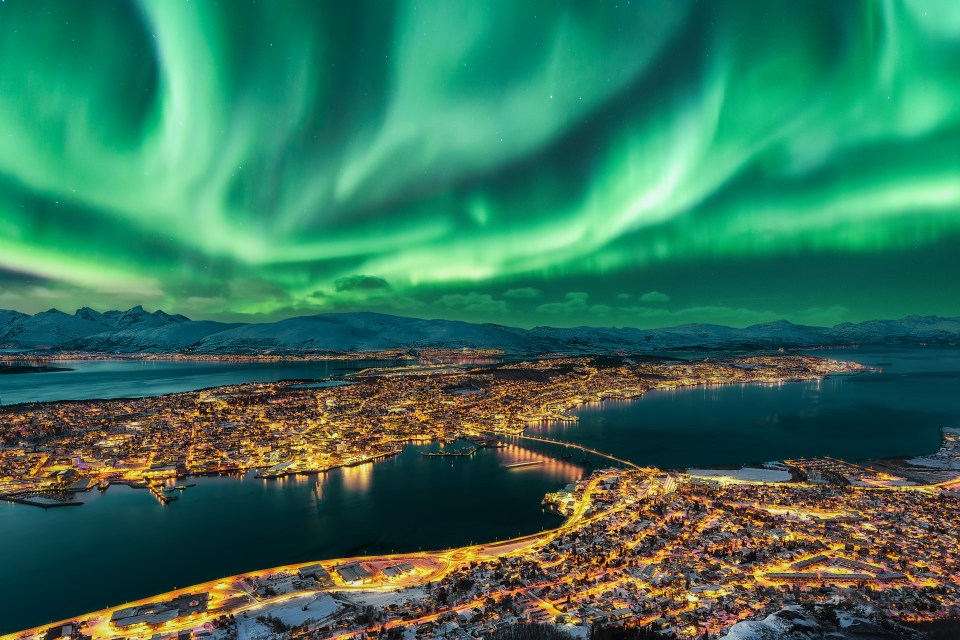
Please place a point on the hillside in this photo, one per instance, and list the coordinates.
(139, 331)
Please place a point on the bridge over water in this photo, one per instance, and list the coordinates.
(571, 445)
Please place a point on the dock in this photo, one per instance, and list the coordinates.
(157, 491)
(52, 504)
(463, 453)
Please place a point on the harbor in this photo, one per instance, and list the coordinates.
(42, 502)
(456, 453)
(335, 514)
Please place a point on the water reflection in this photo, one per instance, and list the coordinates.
(429, 502)
(357, 479)
(555, 469)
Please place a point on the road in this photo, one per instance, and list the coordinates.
(223, 590)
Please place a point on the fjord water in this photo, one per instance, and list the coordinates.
(123, 545)
(896, 412)
(101, 379)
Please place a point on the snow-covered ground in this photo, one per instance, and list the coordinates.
(293, 612)
(749, 474)
(947, 457)
(935, 463)
(796, 623)
(770, 628)
(384, 598)
(582, 632)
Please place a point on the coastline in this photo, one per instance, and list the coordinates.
(561, 412)
(431, 565)
(573, 405)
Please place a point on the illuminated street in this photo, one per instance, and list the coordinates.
(687, 553)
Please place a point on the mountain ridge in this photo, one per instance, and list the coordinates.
(139, 331)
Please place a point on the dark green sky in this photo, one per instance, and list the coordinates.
(638, 163)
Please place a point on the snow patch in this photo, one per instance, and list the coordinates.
(749, 474)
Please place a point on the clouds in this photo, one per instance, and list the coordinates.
(477, 303)
(654, 297)
(361, 283)
(575, 304)
(522, 293)
(650, 297)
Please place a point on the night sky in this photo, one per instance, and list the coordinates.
(641, 163)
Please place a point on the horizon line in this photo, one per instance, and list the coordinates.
(781, 320)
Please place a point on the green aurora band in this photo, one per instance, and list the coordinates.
(638, 163)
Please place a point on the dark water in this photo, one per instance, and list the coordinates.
(123, 545)
(90, 379)
(894, 413)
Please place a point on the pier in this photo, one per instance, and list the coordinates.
(463, 453)
(47, 504)
(157, 491)
(179, 487)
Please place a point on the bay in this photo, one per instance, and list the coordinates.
(124, 545)
(898, 411)
(102, 379)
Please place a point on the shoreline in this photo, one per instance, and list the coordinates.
(569, 407)
(447, 557)
(398, 355)
(685, 471)
(563, 415)
(443, 560)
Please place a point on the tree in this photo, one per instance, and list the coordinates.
(598, 632)
(530, 632)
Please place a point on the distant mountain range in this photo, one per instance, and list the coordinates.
(139, 331)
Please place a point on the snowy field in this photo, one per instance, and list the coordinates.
(384, 598)
(934, 462)
(293, 612)
(748, 474)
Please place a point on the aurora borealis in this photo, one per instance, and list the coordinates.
(606, 163)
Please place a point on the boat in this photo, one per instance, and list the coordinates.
(520, 465)
(179, 487)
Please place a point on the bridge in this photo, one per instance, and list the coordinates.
(571, 445)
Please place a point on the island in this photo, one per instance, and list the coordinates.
(52, 450)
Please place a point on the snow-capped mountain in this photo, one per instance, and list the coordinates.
(139, 318)
(174, 337)
(55, 329)
(50, 328)
(908, 330)
(8, 318)
(358, 332)
(137, 330)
